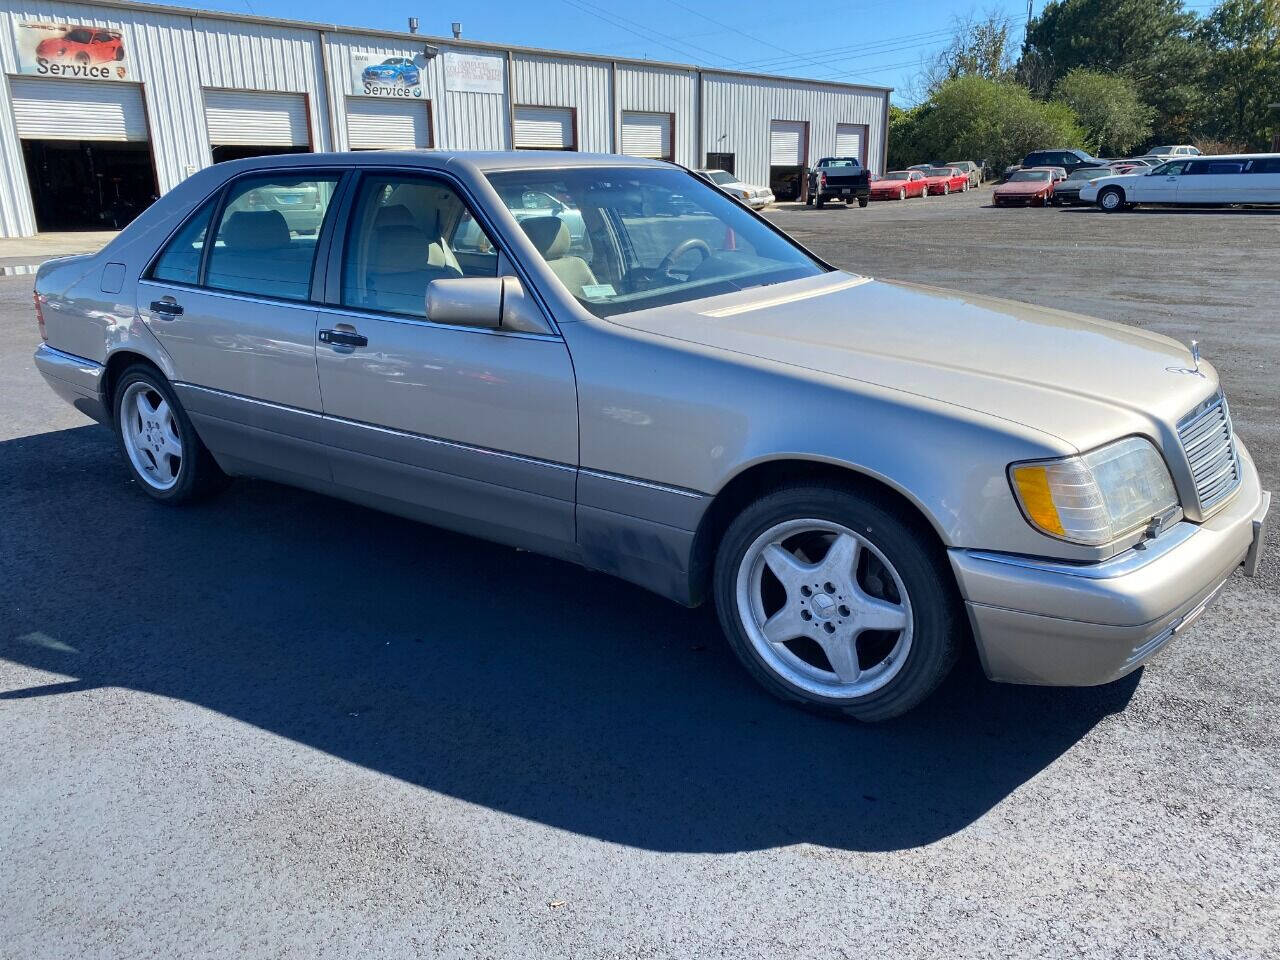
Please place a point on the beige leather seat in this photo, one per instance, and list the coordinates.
(551, 237)
(399, 272)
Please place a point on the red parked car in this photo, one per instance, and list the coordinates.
(1025, 188)
(82, 45)
(898, 185)
(941, 181)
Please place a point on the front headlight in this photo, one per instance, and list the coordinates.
(1095, 498)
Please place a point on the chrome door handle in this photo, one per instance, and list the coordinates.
(168, 308)
(343, 338)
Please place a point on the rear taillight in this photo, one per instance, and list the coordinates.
(822, 179)
(39, 301)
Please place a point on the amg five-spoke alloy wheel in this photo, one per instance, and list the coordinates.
(837, 602)
(157, 439)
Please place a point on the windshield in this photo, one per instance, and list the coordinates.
(897, 175)
(941, 172)
(720, 177)
(629, 239)
(1086, 174)
(1023, 176)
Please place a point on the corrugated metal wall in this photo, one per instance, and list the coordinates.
(737, 112)
(663, 90)
(462, 121)
(581, 84)
(176, 56)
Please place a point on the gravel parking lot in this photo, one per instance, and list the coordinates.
(279, 725)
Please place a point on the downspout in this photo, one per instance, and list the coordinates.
(699, 159)
(328, 92)
(884, 138)
(616, 118)
(511, 99)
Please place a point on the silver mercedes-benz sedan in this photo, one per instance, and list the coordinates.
(863, 476)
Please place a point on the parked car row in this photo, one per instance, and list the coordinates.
(925, 180)
(1187, 179)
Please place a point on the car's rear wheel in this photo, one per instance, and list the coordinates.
(862, 201)
(159, 443)
(1111, 199)
(837, 602)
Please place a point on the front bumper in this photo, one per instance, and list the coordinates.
(759, 203)
(1050, 622)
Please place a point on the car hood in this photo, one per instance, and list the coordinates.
(1023, 186)
(1082, 380)
(888, 184)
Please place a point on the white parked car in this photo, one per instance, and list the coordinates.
(757, 198)
(1173, 150)
(1239, 178)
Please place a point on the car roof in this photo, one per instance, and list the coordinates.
(483, 161)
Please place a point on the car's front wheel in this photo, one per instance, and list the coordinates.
(1111, 199)
(837, 602)
(157, 439)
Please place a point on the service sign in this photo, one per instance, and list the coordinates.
(473, 73)
(397, 75)
(71, 50)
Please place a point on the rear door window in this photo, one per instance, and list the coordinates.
(180, 261)
(265, 243)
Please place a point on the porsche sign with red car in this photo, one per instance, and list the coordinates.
(71, 50)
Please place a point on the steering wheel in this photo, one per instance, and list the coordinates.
(681, 248)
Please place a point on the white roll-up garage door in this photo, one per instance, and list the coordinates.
(850, 140)
(544, 128)
(646, 135)
(259, 119)
(786, 143)
(77, 109)
(374, 124)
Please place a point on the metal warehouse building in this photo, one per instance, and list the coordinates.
(109, 104)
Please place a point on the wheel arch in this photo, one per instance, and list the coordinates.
(762, 477)
(117, 363)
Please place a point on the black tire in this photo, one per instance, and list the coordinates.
(198, 475)
(1111, 200)
(937, 609)
(863, 201)
(809, 202)
(819, 203)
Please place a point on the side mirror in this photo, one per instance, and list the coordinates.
(491, 303)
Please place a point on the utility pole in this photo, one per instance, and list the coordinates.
(1026, 27)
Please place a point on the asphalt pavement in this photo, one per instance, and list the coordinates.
(277, 725)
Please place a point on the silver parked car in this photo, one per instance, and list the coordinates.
(863, 476)
(757, 198)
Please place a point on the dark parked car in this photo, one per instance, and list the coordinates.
(1068, 191)
(839, 178)
(1069, 160)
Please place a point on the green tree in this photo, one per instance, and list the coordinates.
(1242, 70)
(1151, 42)
(1113, 116)
(980, 119)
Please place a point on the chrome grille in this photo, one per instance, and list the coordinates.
(1210, 451)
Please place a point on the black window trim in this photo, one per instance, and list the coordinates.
(331, 296)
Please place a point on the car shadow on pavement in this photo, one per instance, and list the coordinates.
(496, 676)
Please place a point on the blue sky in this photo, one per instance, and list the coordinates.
(884, 43)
